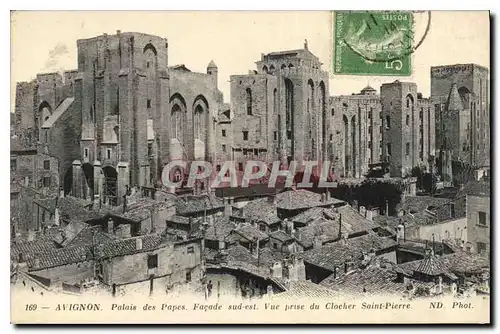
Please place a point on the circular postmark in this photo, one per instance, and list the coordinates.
(384, 36)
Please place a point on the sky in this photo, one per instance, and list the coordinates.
(46, 41)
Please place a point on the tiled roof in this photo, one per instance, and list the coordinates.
(128, 246)
(327, 225)
(76, 254)
(250, 232)
(415, 204)
(313, 214)
(179, 219)
(220, 229)
(72, 208)
(431, 266)
(301, 199)
(458, 263)
(140, 209)
(193, 204)
(29, 248)
(372, 280)
(86, 237)
(420, 245)
(239, 257)
(61, 257)
(281, 236)
(481, 189)
(305, 289)
(332, 255)
(261, 210)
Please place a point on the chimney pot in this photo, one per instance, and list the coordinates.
(118, 32)
(110, 226)
(138, 244)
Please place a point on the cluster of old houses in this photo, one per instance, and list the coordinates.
(291, 242)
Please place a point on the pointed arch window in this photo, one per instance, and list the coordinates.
(249, 101)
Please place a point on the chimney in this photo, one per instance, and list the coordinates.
(37, 262)
(345, 236)
(31, 235)
(289, 227)
(256, 248)
(276, 270)
(328, 195)
(110, 226)
(228, 208)
(369, 215)
(400, 235)
(138, 244)
(222, 244)
(301, 269)
(291, 271)
(61, 194)
(153, 219)
(323, 197)
(386, 208)
(118, 32)
(340, 225)
(124, 204)
(317, 242)
(272, 199)
(57, 218)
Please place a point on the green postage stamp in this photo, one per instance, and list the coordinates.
(373, 42)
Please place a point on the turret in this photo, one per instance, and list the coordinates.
(213, 70)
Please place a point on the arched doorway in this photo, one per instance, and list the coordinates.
(68, 181)
(110, 185)
(88, 182)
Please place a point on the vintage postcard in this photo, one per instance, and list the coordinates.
(314, 167)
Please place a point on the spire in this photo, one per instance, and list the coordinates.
(212, 64)
(454, 102)
(305, 44)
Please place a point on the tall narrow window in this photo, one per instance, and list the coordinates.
(388, 148)
(148, 103)
(245, 135)
(249, 101)
(407, 119)
(407, 149)
(387, 122)
(46, 164)
(152, 261)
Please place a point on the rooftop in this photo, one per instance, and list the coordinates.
(195, 204)
(250, 232)
(220, 229)
(261, 210)
(327, 225)
(305, 289)
(372, 281)
(334, 254)
(281, 236)
(302, 199)
(75, 254)
(458, 263)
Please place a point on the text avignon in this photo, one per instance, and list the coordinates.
(78, 307)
